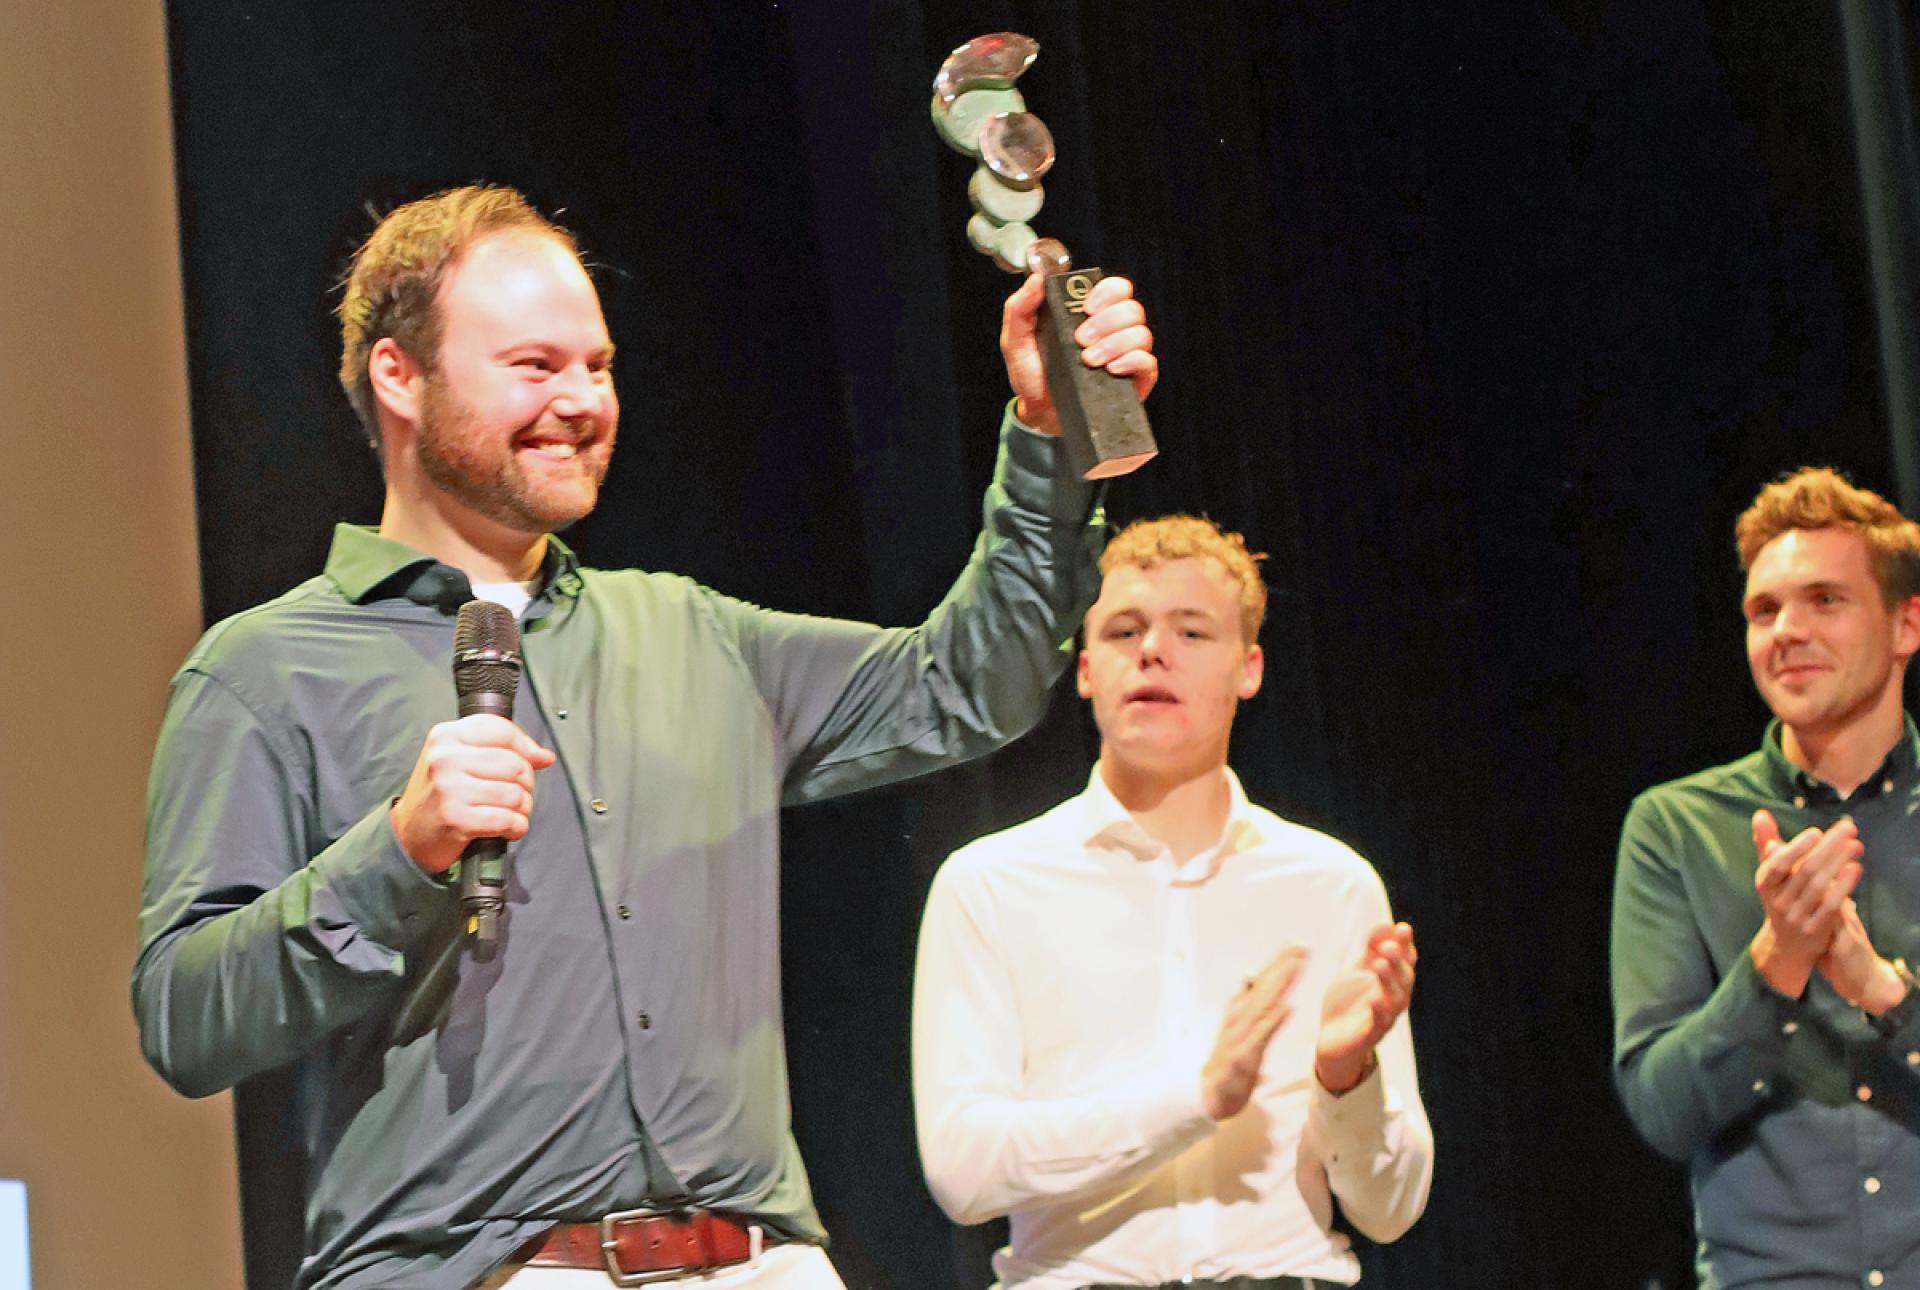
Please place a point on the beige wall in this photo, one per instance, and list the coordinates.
(102, 602)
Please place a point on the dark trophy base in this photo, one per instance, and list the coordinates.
(1101, 420)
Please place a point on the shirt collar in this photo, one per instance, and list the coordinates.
(1107, 822)
(366, 566)
(1788, 781)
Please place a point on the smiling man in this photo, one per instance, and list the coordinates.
(1766, 1027)
(1160, 1027)
(605, 1098)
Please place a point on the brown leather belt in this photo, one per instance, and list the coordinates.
(638, 1246)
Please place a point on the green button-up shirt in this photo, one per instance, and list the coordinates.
(1800, 1122)
(625, 1046)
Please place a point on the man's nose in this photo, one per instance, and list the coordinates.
(576, 391)
(1789, 623)
(1153, 642)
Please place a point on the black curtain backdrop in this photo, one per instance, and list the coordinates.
(1484, 319)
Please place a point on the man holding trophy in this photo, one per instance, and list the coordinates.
(599, 1097)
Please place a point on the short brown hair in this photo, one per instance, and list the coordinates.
(1815, 497)
(1145, 543)
(392, 285)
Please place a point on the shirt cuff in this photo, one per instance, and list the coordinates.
(1899, 1026)
(1169, 1109)
(1350, 1122)
(1905, 1043)
(373, 886)
(1752, 1011)
(1033, 469)
(1754, 1024)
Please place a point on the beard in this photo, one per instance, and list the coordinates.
(463, 458)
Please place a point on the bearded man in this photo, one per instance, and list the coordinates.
(605, 1098)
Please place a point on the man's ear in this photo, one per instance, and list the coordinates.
(1083, 676)
(396, 380)
(1252, 670)
(1906, 628)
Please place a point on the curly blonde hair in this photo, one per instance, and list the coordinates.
(1146, 543)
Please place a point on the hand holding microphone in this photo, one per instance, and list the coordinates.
(471, 790)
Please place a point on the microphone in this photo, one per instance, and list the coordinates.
(486, 672)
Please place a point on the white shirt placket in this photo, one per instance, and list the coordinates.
(1191, 1019)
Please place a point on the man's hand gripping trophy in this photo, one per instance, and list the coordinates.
(978, 111)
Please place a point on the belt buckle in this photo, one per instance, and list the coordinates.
(609, 1249)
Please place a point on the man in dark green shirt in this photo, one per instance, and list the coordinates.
(1766, 1027)
(311, 793)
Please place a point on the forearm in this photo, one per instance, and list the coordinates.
(992, 1134)
(1700, 1038)
(988, 1154)
(860, 705)
(1376, 1144)
(1685, 1081)
(989, 653)
(225, 993)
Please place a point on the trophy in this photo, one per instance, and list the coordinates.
(977, 111)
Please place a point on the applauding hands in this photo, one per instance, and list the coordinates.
(1806, 888)
(1360, 1006)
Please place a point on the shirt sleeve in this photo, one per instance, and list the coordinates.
(1694, 1051)
(1374, 1140)
(855, 705)
(255, 942)
(986, 1147)
(1905, 1040)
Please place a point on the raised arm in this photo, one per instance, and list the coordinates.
(856, 705)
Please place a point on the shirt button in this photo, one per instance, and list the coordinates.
(625, 912)
(646, 1022)
(1799, 800)
(560, 713)
(1876, 1277)
(599, 805)
(1864, 1093)
(1913, 1059)
(1872, 1186)
(1759, 1086)
(1790, 1028)
(1886, 786)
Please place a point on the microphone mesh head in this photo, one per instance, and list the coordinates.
(486, 651)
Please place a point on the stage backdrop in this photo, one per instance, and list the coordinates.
(128, 1184)
(1482, 319)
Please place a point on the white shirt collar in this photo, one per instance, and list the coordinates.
(1108, 823)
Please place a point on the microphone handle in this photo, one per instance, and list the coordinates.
(483, 865)
(483, 893)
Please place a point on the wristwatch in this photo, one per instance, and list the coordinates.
(1902, 1014)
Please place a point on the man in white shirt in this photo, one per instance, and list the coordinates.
(1113, 1033)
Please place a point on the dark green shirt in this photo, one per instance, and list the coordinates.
(1800, 1122)
(625, 1046)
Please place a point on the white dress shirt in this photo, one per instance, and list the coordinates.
(1071, 980)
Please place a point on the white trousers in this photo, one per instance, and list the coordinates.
(783, 1267)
